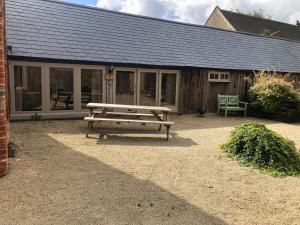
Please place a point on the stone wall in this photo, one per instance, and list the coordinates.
(218, 20)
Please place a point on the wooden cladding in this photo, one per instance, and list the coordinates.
(296, 79)
(197, 92)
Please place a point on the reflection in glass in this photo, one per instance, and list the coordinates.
(61, 89)
(28, 96)
(168, 89)
(125, 87)
(148, 88)
(91, 86)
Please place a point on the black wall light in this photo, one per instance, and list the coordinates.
(110, 69)
(9, 50)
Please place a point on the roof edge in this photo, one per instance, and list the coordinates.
(215, 9)
(259, 17)
(133, 65)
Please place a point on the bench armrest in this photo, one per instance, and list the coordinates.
(245, 105)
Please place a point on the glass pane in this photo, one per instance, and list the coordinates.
(125, 87)
(148, 89)
(168, 89)
(91, 86)
(61, 89)
(28, 96)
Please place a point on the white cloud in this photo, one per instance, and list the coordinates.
(197, 11)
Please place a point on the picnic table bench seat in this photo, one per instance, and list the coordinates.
(91, 119)
(127, 114)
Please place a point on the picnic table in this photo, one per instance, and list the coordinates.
(101, 112)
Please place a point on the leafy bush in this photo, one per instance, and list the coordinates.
(272, 92)
(36, 117)
(255, 145)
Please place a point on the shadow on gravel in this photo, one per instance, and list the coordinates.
(58, 185)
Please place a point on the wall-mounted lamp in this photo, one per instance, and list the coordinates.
(110, 69)
(9, 50)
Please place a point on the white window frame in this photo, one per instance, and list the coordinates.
(90, 67)
(77, 109)
(219, 79)
(24, 77)
(174, 108)
(75, 88)
(45, 83)
(12, 85)
(134, 71)
(139, 84)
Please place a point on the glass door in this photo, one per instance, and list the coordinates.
(125, 91)
(148, 88)
(62, 88)
(91, 86)
(28, 88)
(169, 89)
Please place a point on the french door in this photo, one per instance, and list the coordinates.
(125, 87)
(169, 89)
(146, 87)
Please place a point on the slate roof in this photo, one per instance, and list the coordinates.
(51, 29)
(252, 24)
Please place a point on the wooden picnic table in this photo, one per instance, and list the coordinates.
(99, 112)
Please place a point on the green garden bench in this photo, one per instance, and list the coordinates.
(231, 103)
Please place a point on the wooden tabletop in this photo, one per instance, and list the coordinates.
(130, 107)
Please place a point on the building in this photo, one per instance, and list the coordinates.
(234, 21)
(3, 96)
(62, 56)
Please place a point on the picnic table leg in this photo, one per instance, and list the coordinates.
(166, 116)
(91, 111)
(168, 130)
(87, 130)
(159, 128)
(155, 114)
(103, 113)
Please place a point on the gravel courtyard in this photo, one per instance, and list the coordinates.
(134, 176)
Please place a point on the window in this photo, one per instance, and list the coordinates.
(214, 76)
(61, 89)
(168, 89)
(125, 87)
(28, 88)
(91, 86)
(148, 88)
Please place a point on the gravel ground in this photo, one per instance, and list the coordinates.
(133, 176)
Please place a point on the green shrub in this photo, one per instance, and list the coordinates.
(272, 92)
(255, 145)
(35, 116)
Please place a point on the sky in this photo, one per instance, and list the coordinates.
(197, 11)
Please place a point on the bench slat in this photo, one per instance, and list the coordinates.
(92, 119)
(126, 114)
(132, 107)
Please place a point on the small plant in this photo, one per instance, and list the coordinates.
(272, 92)
(254, 145)
(36, 117)
(12, 148)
